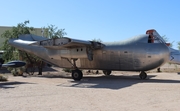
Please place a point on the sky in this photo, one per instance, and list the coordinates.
(107, 20)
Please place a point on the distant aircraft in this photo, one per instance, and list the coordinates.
(141, 53)
(13, 64)
(174, 56)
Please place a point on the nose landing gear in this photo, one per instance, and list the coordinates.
(143, 75)
(107, 72)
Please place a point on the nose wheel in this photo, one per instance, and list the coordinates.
(143, 75)
(77, 75)
(107, 72)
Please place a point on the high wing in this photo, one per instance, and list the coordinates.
(67, 43)
(57, 48)
(70, 48)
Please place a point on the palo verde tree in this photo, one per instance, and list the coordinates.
(167, 40)
(178, 45)
(97, 40)
(52, 31)
(11, 53)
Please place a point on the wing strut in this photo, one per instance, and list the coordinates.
(73, 64)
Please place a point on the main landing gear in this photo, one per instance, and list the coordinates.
(77, 75)
(143, 75)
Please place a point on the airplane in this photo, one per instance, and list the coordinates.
(174, 56)
(140, 53)
(14, 64)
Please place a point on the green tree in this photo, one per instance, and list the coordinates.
(97, 40)
(167, 40)
(52, 31)
(12, 53)
(178, 45)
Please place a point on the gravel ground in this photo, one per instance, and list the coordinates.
(122, 91)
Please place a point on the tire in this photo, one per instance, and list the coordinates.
(77, 75)
(143, 75)
(107, 72)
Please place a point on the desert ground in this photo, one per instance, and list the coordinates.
(121, 91)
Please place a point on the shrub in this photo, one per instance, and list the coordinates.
(2, 78)
(18, 71)
(67, 70)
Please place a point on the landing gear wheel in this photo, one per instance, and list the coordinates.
(142, 75)
(107, 72)
(77, 75)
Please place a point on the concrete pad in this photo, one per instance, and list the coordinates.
(122, 91)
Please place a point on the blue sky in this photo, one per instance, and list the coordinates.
(108, 20)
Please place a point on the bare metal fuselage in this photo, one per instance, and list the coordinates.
(140, 57)
(135, 54)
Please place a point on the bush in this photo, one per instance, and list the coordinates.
(2, 78)
(18, 71)
(67, 70)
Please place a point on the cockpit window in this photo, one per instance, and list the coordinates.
(150, 39)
